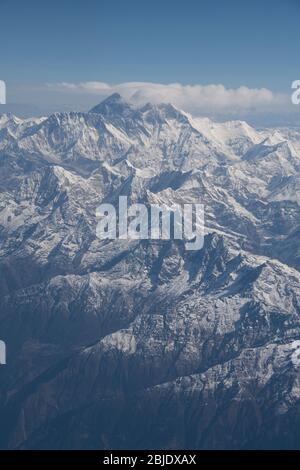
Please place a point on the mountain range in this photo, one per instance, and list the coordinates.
(140, 344)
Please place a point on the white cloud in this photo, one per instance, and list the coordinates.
(197, 99)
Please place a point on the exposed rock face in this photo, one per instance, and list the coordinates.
(142, 344)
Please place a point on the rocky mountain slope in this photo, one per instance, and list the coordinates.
(142, 344)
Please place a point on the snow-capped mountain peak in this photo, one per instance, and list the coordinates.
(113, 106)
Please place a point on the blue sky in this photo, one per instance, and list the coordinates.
(254, 44)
